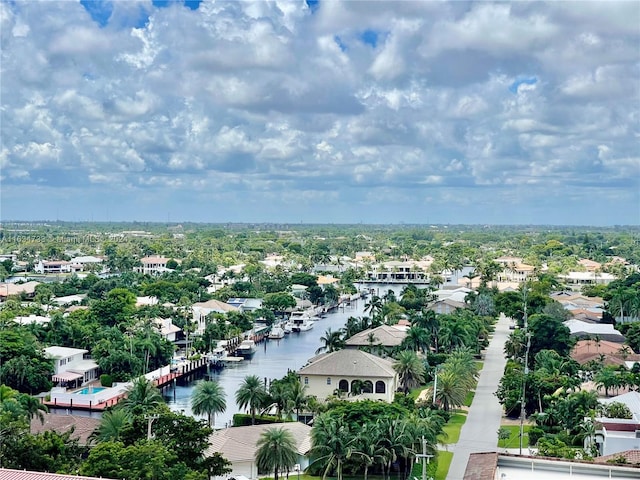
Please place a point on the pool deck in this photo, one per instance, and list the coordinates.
(183, 370)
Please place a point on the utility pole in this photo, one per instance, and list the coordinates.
(150, 419)
(425, 459)
(527, 336)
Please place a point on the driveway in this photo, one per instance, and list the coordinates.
(480, 431)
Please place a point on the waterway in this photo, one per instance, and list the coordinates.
(272, 360)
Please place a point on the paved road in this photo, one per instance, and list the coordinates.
(480, 431)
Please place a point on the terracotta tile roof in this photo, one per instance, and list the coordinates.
(630, 456)
(481, 466)
(83, 426)
(8, 474)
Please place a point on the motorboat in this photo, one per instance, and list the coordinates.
(287, 327)
(303, 326)
(276, 333)
(246, 348)
(217, 357)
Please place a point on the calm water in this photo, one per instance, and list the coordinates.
(272, 360)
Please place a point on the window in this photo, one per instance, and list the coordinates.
(367, 386)
(343, 385)
(380, 387)
(328, 380)
(306, 380)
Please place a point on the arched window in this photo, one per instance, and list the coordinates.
(343, 386)
(381, 387)
(367, 387)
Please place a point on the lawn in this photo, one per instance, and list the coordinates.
(514, 440)
(469, 398)
(444, 462)
(453, 427)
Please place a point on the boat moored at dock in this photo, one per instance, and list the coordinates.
(246, 348)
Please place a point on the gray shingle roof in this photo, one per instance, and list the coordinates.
(238, 444)
(385, 335)
(349, 363)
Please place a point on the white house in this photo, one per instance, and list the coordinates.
(614, 435)
(239, 446)
(54, 266)
(345, 369)
(167, 329)
(604, 331)
(202, 309)
(70, 365)
(153, 265)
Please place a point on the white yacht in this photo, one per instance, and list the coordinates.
(276, 333)
(246, 348)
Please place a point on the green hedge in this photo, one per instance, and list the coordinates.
(242, 419)
(106, 380)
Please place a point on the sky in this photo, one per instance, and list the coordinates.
(320, 111)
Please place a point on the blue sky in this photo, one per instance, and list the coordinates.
(337, 112)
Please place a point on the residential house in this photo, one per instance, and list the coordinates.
(246, 304)
(87, 262)
(351, 372)
(398, 272)
(589, 265)
(384, 336)
(153, 265)
(69, 299)
(609, 353)
(28, 289)
(167, 329)
(603, 331)
(52, 267)
(81, 426)
(202, 309)
(628, 457)
(32, 320)
(71, 366)
(615, 435)
(445, 306)
(577, 280)
(239, 446)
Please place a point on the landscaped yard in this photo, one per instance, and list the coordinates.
(453, 427)
(514, 439)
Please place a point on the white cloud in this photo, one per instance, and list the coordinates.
(452, 104)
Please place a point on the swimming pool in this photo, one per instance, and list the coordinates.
(89, 390)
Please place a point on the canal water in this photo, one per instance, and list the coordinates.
(272, 360)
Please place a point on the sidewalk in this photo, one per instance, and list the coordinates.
(480, 431)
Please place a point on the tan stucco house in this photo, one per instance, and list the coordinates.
(341, 371)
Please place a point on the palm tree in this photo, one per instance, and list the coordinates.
(332, 341)
(410, 370)
(142, 397)
(331, 444)
(368, 444)
(299, 397)
(208, 398)
(111, 425)
(417, 339)
(33, 407)
(276, 451)
(252, 394)
(451, 391)
(374, 306)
